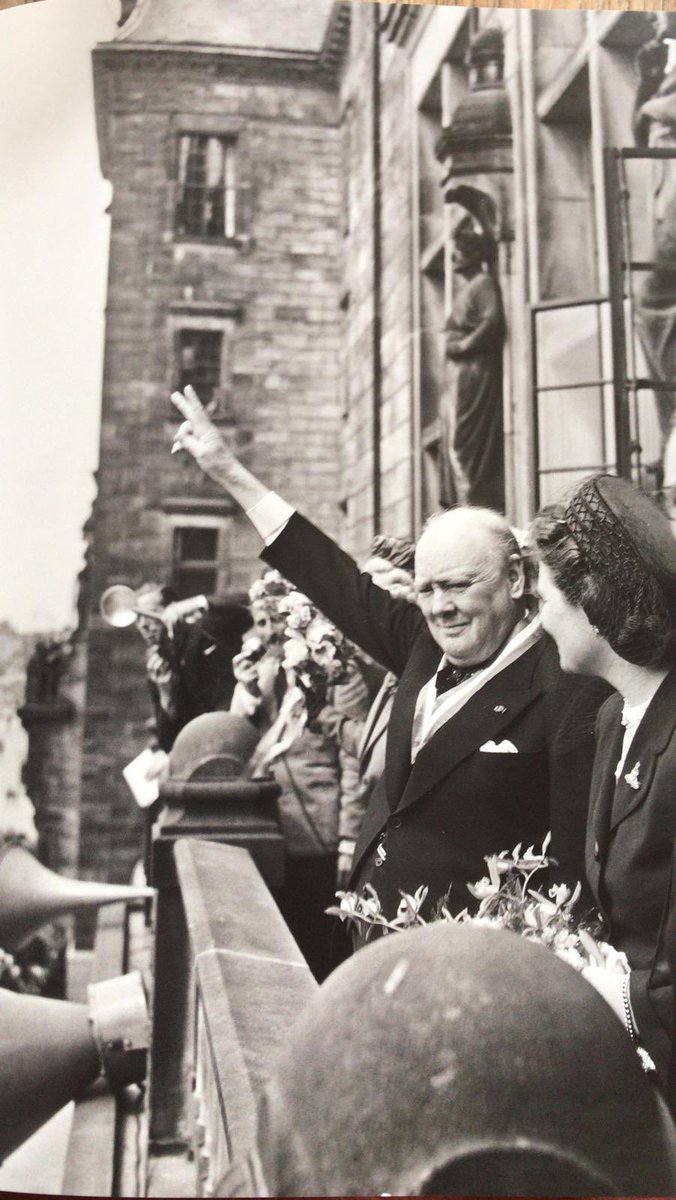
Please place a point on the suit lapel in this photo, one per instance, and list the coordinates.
(649, 741)
(602, 790)
(611, 802)
(481, 719)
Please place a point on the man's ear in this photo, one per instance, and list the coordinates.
(517, 576)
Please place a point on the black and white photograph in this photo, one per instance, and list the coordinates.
(338, 636)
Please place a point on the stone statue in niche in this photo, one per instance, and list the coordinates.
(472, 432)
(46, 667)
(655, 128)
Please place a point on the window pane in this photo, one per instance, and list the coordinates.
(570, 428)
(568, 350)
(575, 413)
(199, 361)
(195, 544)
(205, 204)
(230, 191)
(554, 487)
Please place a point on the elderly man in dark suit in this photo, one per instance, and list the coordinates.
(489, 744)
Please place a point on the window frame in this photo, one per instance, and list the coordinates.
(213, 398)
(198, 521)
(229, 142)
(602, 382)
(209, 318)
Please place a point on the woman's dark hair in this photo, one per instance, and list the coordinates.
(619, 595)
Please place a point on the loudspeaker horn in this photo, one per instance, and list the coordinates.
(118, 606)
(31, 895)
(52, 1050)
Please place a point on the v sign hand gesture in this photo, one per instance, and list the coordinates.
(200, 437)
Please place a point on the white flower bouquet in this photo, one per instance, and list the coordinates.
(269, 590)
(506, 901)
(316, 656)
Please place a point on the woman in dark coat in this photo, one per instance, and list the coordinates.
(607, 584)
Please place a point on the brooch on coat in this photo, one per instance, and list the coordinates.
(632, 777)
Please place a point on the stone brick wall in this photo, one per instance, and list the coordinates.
(281, 282)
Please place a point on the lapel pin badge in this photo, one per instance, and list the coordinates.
(499, 708)
(632, 777)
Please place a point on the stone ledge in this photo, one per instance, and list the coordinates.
(37, 712)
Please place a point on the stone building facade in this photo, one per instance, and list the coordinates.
(525, 117)
(288, 179)
(221, 141)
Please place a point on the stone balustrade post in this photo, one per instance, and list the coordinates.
(236, 813)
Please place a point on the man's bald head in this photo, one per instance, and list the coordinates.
(469, 582)
(480, 525)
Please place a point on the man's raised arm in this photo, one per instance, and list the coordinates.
(200, 437)
(383, 626)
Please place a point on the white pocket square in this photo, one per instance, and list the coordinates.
(498, 748)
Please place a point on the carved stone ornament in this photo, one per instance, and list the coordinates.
(476, 148)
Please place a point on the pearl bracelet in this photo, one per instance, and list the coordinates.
(626, 1008)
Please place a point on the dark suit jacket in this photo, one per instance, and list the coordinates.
(630, 856)
(456, 804)
(203, 680)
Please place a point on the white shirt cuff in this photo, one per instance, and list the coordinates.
(270, 516)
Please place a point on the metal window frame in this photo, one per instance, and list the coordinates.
(228, 186)
(214, 364)
(190, 566)
(623, 267)
(598, 301)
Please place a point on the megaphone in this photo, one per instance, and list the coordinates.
(51, 1050)
(118, 606)
(31, 895)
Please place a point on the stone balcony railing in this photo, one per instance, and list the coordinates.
(249, 983)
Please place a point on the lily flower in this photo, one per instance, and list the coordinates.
(483, 889)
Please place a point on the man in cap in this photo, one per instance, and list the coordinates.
(489, 744)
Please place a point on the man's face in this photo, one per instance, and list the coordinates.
(149, 619)
(467, 593)
(269, 629)
(150, 629)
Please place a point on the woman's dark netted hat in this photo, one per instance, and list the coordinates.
(628, 548)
